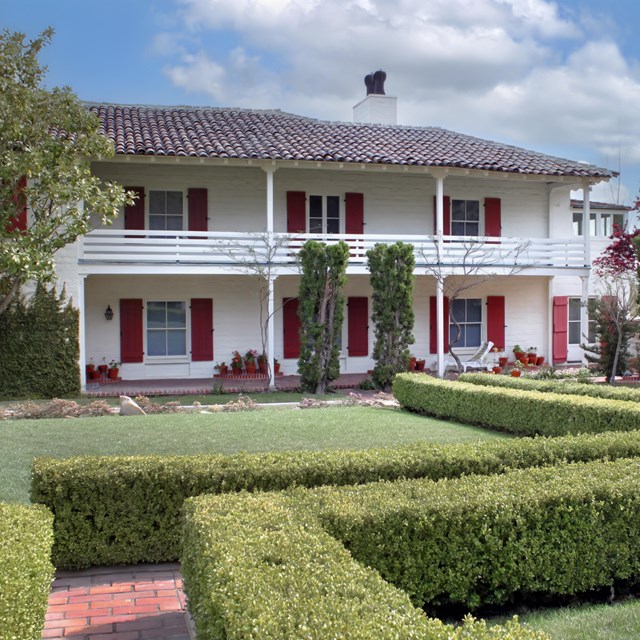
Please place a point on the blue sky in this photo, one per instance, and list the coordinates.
(558, 77)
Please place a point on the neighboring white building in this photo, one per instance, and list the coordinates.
(213, 181)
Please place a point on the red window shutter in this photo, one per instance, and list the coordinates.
(354, 213)
(197, 199)
(201, 329)
(495, 321)
(560, 328)
(492, 217)
(433, 325)
(446, 216)
(291, 328)
(358, 326)
(296, 212)
(131, 342)
(19, 221)
(134, 213)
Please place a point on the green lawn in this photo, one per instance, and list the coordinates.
(589, 622)
(268, 429)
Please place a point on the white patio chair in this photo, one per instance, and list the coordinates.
(477, 361)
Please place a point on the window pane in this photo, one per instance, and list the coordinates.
(577, 223)
(174, 202)
(592, 224)
(473, 210)
(618, 219)
(333, 207)
(457, 210)
(157, 202)
(176, 343)
(457, 229)
(174, 223)
(574, 309)
(472, 229)
(474, 310)
(156, 343)
(592, 331)
(472, 338)
(333, 225)
(176, 316)
(156, 315)
(156, 223)
(315, 225)
(458, 310)
(574, 333)
(452, 335)
(315, 207)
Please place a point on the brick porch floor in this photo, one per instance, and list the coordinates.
(142, 602)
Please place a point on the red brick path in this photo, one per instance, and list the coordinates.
(143, 602)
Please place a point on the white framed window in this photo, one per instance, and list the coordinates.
(600, 224)
(468, 314)
(575, 328)
(324, 214)
(166, 328)
(166, 210)
(465, 218)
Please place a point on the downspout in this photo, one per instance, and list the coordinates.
(82, 351)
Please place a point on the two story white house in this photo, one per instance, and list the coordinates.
(215, 184)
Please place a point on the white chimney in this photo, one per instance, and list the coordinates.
(376, 108)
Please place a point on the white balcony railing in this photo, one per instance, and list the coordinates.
(111, 246)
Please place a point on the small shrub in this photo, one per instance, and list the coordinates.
(26, 538)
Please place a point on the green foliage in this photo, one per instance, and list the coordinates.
(556, 530)
(603, 352)
(260, 566)
(49, 137)
(525, 413)
(321, 311)
(629, 394)
(26, 537)
(39, 347)
(123, 510)
(391, 268)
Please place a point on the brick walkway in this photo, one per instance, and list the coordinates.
(142, 602)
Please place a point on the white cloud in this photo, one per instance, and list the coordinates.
(513, 70)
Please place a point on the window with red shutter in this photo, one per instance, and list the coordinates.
(446, 216)
(201, 329)
(433, 325)
(358, 326)
(496, 321)
(354, 213)
(198, 209)
(134, 213)
(492, 217)
(291, 328)
(560, 328)
(131, 338)
(296, 212)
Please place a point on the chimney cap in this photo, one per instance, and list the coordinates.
(375, 82)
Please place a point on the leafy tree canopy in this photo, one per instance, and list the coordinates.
(47, 139)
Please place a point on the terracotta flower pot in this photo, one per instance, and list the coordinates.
(503, 361)
(516, 373)
(497, 369)
(420, 365)
(412, 364)
(250, 367)
(102, 368)
(276, 368)
(223, 370)
(531, 358)
(539, 361)
(236, 370)
(113, 373)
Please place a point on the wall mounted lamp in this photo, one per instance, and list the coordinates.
(108, 314)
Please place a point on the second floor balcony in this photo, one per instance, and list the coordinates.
(122, 251)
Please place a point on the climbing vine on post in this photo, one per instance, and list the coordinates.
(391, 269)
(321, 311)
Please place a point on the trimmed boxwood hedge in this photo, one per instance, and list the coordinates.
(524, 413)
(260, 566)
(556, 530)
(124, 510)
(26, 572)
(554, 386)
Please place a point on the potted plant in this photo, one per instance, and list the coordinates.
(516, 372)
(222, 367)
(236, 363)
(420, 364)
(412, 362)
(262, 364)
(532, 354)
(539, 361)
(104, 367)
(276, 366)
(250, 360)
(114, 370)
(519, 353)
(90, 367)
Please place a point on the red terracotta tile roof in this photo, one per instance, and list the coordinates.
(275, 135)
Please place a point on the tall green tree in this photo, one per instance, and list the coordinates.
(321, 311)
(47, 139)
(391, 268)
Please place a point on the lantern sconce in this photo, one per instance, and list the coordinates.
(108, 314)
